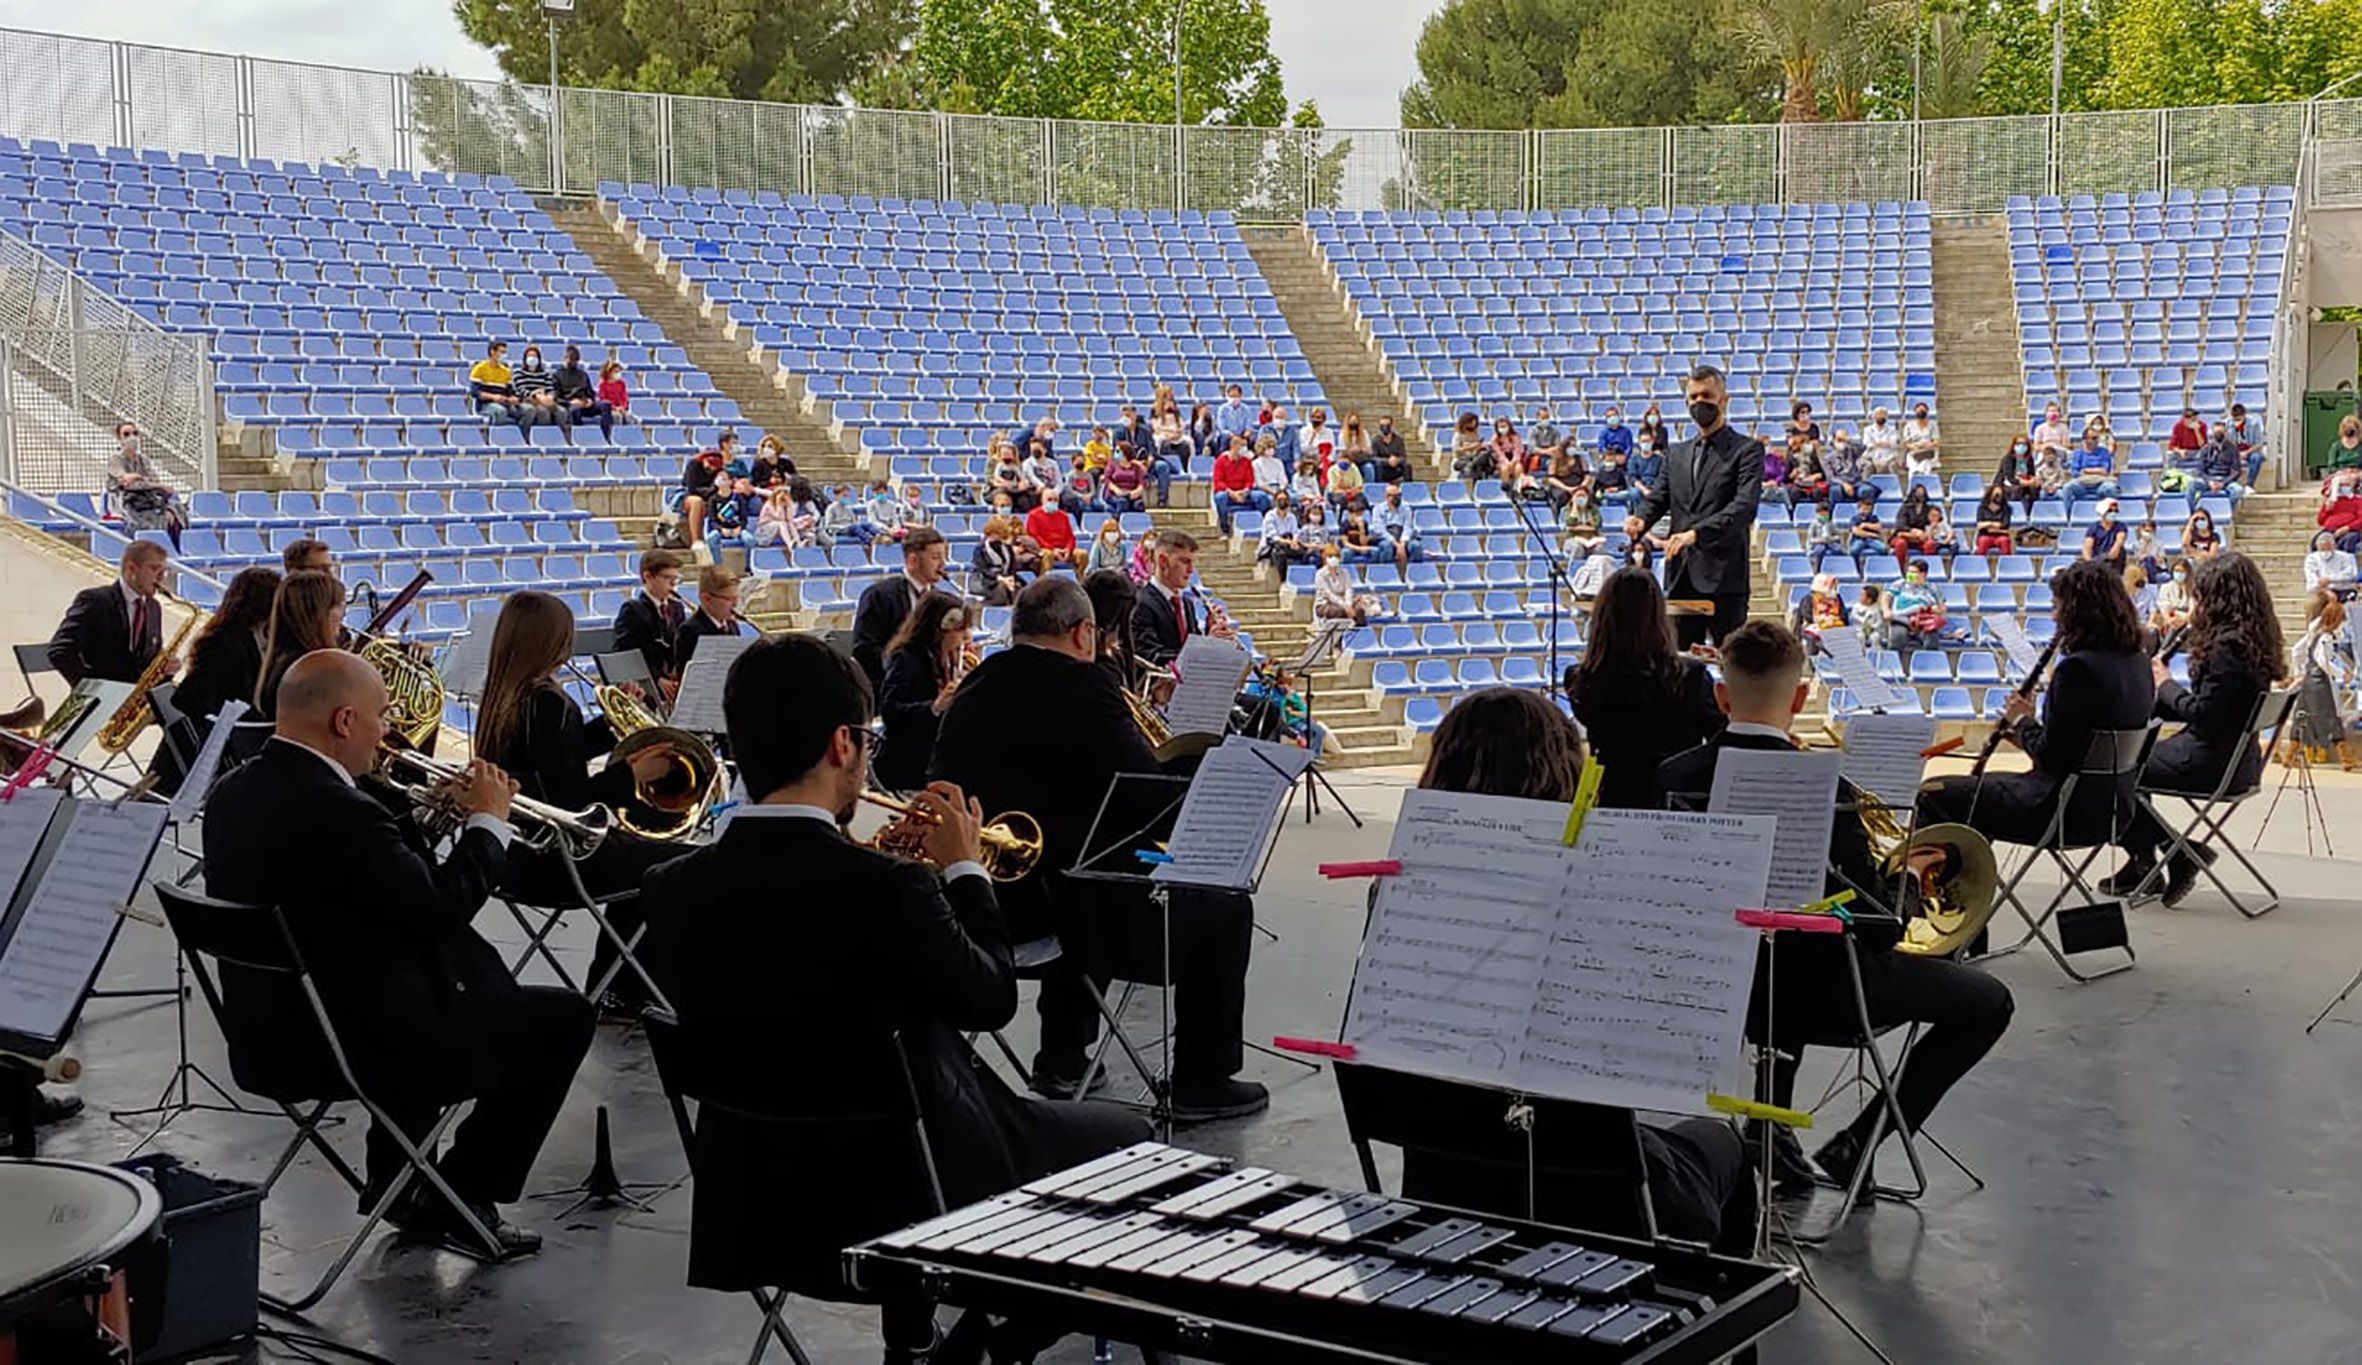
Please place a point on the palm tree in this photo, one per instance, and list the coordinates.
(1812, 40)
(1952, 67)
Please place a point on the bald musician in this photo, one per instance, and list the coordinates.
(427, 1011)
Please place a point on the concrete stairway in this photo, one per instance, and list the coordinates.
(2274, 529)
(1352, 372)
(1980, 379)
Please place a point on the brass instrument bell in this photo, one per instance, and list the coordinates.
(1012, 841)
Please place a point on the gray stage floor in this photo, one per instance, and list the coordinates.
(2172, 1162)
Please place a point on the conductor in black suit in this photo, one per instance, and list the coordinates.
(1049, 675)
(1711, 485)
(854, 942)
(886, 602)
(427, 1011)
(114, 632)
(1164, 616)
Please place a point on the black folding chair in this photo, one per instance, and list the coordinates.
(2208, 811)
(255, 982)
(1038, 960)
(869, 1095)
(2115, 757)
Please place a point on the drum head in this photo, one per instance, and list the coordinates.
(58, 1217)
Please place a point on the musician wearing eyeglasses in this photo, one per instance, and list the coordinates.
(716, 614)
(852, 940)
(1049, 681)
(114, 632)
(426, 1009)
(1805, 976)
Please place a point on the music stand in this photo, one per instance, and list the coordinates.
(1326, 641)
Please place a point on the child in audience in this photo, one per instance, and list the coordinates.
(613, 392)
(1824, 537)
(1305, 487)
(2148, 552)
(1007, 479)
(847, 519)
(783, 522)
(885, 510)
(1819, 611)
(1870, 616)
(1867, 536)
(1096, 451)
(1611, 480)
(1346, 485)
(1143, 565)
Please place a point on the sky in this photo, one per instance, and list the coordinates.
(1351, 56)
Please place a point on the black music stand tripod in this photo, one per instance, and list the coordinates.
(1326, 640)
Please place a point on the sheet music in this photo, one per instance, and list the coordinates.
(200, 779)
(54, 947)
(1854, 669)
(697, 707)
(1210, 669)
(467, 660)
(106, 698)
(24, 818)
(2011, 633)
(1800, 790)
(1227, 819)
(1608, 973)
(1643, 999)
(1882, 756)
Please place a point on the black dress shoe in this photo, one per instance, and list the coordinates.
(2128, 879)
(1839, 1156)
(1052, 1086)
(49, 1108)
(2181, 873)
(423, 1216)
(1205, 1101)
(1791, 1173)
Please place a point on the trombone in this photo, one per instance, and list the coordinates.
(539, 825)
(1012, 841)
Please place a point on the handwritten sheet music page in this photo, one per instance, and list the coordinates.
(1211, 670)
(1227, 819)
(1800, 791)
(1882, 757)
(55, 945)
(1608, 973)
(697, 707)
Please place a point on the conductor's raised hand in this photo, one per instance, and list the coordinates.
(955, 822)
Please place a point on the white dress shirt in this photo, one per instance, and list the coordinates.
(963, 868)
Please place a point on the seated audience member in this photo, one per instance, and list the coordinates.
(1355, 539)
(1911, 525)
(2174, 599)
(993, 569)
(1271, 475)
(2104, 539)
(1993, 521)
(1615, 438)
(1143, 565)
(428, 1013)
(614, 392)
(884, 507)
(1096, 451)
(1584, 537)
(1318, 439)
(650, 620)
(701, 484)
(536, 390)
(1543, 439)
(578, 397)
(2340, 511)
(1867, 536)
(1353, 443)
(1803, 985)
(1644, 472)
(2052, 436)
(1870, 616)
(1334, 597)
(770, 468)
(1824, 537)
(136, 491)
(788, 518)
(1234, 417)
(2148, 550)
(1110, 931)
(2144, 593)
(1807, 482)
(1566, 475)
(1286, 437)
(1392, 519)
(306, 615)
(1234, 485)
(1882, 445)
(1509, 451)
(1171, 434)
(1305, 485)
(1637, 697)
(2091, 471)
(2247, 441)
(1922, 444)
(1277, 541)
(924, 662)
(1043, 472)
(1775, 472)
(1313, 533)
(1053, 530)
(2327, 569)
(1388, 452)
(2020, 474)
(2236, 655)
(1915, 614)
(1801, 426)
(1108, 550)
(1472, 454)
(845, 519)
(926, 961)
(491, 388)
(2187, 438)
(1818, 612)
(2216, 471)
(1346, 486)
(1124, 488)
(2200, 540)
(1841, 468)
(2324, 657)
(1501, 741)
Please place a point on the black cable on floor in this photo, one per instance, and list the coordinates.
(308, 1345)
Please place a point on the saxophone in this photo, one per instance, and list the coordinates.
(137, 710)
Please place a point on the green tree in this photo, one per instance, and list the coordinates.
(1952, 67)
(812, 51)
(1826, 50)
(1581, 64)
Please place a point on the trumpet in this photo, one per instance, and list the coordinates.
(1012, 841)
(539, 825)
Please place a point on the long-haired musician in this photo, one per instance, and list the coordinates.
(427, 1010)
(1114, 598)
(307, 615)
(2236, 655)
(1503, 741)
(225, 663)
(2100, 682)
(1964, 1011)
(1639, 699)
(527, 724)
(854, 943)
(924, 660)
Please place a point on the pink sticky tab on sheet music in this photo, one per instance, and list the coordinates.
(1790, 920)
(1343, 1052)
(1383, 867)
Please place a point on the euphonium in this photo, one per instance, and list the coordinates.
(672, 804)
(1953, 879)
(1012, 841)
(137, 710)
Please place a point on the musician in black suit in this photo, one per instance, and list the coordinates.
(885, 603)
(1166, 613)
(716, 614)
(1711, 486)
(225, 663)
(114, 632)
(1048, 677)
(1639, 700)
(852, 941)
(2101, 681)
(650, 621)
(2236, 656)
(427, 1011)
(1963, 1010)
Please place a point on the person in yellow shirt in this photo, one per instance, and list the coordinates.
(1096, 452)
(491, 386)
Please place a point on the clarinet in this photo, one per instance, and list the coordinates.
(2171, 644)
(2026, 691)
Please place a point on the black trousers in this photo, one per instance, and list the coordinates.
(2012, 808)
(1698, 1184)
(1121, 936)
(2175, 765)
(536, 878)
(1963, 1010)
(532, 1060)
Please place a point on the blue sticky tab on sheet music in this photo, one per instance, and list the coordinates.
(1150, 855)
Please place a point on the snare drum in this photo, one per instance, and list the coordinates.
(64, 1228)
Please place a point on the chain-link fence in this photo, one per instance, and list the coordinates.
(70, 90)
(73, 363)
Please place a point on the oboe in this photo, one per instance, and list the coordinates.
(2026, 692)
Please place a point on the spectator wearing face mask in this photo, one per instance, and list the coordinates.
(2020, 475)
(537, 396)
(1614, 435)
(1391, 520)
(2199, 538)
(2105, 539)
(1915, 611)
(1108, 550)
(2216, 469)
(1389, 454)
(2054, 437)
(2092, 472)
(2187, 438)
(1882, 445)
(1922, 444)
(578, 399)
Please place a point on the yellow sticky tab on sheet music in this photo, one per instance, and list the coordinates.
(1826, 903)
(1750, 1109)
(1586, 796)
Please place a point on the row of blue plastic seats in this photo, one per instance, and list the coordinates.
(1023, 294)
(470, 329)
(485, 240)
(1823, 287)
(401, 473)
(1261, 375)
(525, 497)
(1765, 212)
(356, 254)
(275, 403)
(1040, 364)
(1396, 678)
(253, 542)
(154, 163)
(794, 207)
(486, 439)
(846, 225)
(2251, 285)
(1655, 347)
(590, 299)
(2227, 349)
(2129, 381)
(132, 218)
(2155, 420)
(355, 371)
(916, 247)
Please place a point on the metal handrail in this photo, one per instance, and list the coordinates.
(97, 527)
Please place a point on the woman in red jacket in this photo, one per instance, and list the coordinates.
(1234, 484)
